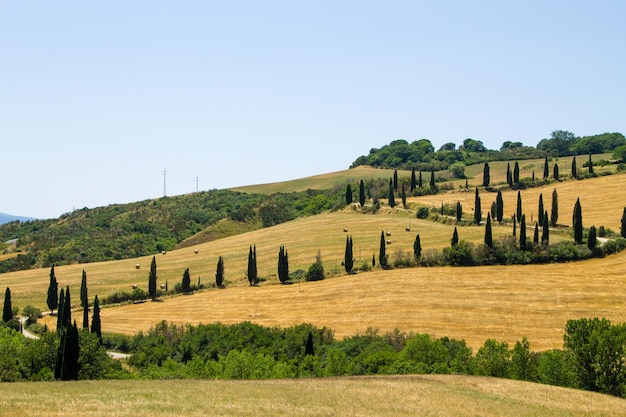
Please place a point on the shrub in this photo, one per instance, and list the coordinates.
(422, 213)
(461, 254)
(316, 270)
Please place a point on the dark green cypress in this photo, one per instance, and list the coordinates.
(348, 194)
(403, 196)
(509, 176)
(420, 183)
(70, 354)
(522, 233)
(53, 292)
(554, 212)
(574, 170)
(84, 300)
(309, 349)
(348, 259)
(61, 310)
(540, 210)
(556, 172)
(361, 193)
(514, 226)
(391, 198)
(252, 271)
(545, 234)
(96, 323)
(493, 209)
(486, 175)
(516, 173)
(577, 222)
(623, 224)
(592, 239)
(536, 233)
(477, 208)
(86, 316)
(590, 164)
(395, 179)
(546, 169)
(7, 311)
(459, 211)
(219, 273)
(455, 237)
(186, 282)
(433, 183)
(67, 309)
(413, 180)
(519, 212)
(382, 252)
(152, 279)
(488, 233)
(499, 207)
(417, 248)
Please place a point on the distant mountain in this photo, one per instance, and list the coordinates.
(6, 218)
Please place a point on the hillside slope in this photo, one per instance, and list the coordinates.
(425, 395)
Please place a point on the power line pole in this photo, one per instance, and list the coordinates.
(164, 183)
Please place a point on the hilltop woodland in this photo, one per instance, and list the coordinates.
(592, 357)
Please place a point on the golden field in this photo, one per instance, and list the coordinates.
(427, 395)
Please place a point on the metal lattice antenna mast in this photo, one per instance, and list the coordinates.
(164, 183)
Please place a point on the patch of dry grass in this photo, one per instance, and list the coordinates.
(431, 395)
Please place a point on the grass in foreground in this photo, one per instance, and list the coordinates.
(431, 395)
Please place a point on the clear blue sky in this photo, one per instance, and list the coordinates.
(98, 98)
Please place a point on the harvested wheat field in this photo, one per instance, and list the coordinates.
(428, 395)
(472, 303)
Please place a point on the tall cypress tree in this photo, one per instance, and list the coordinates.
(574, 170)
(152, 279)
(519, 210)
(623, 224)
(455, 237)
(96, 323)
(53, 292)
(219, 273)
(546, 169)
(186, 282)
(395, 179)
(391, 198)
(382, 252)
(348, 258)
(413, 180)
(540, 209)
(61, 310)
(499, 207)
(403, 196)
(252, 277)
(509, 176)
(590, 164)
(592, 239)
(554, 212)
(309, 349)
(69, 351)
(420, 183)
(348, 194)
(536, 233)
(361, 193)
(522, 233)
(67, 309)
(417, 248)
(7, 311)
(514, 225)
(577, 221)
(459, 211)
(477, 209)
(516, 173)
(283, 265)
(493, 209)
(86, 316)
(488, 233)
(545, 234)
(556, 172)
(486, 175)
(84, 300)
(433, 183)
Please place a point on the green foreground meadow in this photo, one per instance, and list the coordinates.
(426, 395)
